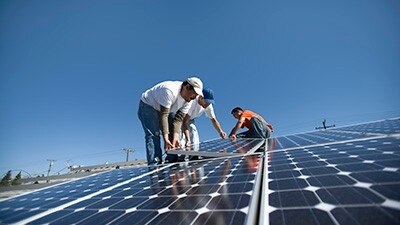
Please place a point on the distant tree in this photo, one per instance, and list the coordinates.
(6, 179)
(17, 179)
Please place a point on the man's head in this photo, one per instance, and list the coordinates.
(207, 98)
(191, 88)
(237, 112)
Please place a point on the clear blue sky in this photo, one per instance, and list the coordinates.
(72, 72)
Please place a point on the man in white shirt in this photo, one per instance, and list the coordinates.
(163, 107)
(198, 107)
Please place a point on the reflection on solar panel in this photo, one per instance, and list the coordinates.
(222, 147)
(339, 176)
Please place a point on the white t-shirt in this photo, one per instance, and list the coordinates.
(167, 94)
(196, 110)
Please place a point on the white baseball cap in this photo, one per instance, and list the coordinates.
(197, 85)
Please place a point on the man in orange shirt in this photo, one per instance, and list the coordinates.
(258, 127)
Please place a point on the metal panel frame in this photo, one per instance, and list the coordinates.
(252, 216)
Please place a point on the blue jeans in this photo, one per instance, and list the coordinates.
(150, 119)
(260, 130)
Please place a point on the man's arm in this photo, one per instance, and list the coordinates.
(217, 126)
(186, 129)
(238, 125)
(164, 112)
(177, 123)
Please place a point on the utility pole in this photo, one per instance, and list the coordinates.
(48, 172)
(127, 150)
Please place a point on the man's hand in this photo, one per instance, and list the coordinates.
(222, 134)
(176, 143)
(232, 137)
(188, 143)
(167, 145)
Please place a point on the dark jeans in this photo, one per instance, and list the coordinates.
(150, 119)
(259, 130)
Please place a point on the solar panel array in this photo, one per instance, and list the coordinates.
(347, 175)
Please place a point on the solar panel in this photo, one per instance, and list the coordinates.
(28, 205)
(202, 191)
(355, 182)
(390, 126)
(314, 138)
(222, 147)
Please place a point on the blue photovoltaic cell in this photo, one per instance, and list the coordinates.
(348, 183)
(198, 192)
(25, 206)
(391, 126)
(313, 138)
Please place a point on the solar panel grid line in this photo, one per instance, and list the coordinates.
(325, 139)
(254, 196)
(304, 139)
(335, 142)
(97, 210)
(211, 200)
(206, 176)
(36, 202)
(355, 147)
(232, 170)
(50, 211)
(342, 164)
(390, 126)
(290, 140)
(45, 188)
(340, 127)
(220, 189)
(369, 122)
(355, 132)
(329, 213)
